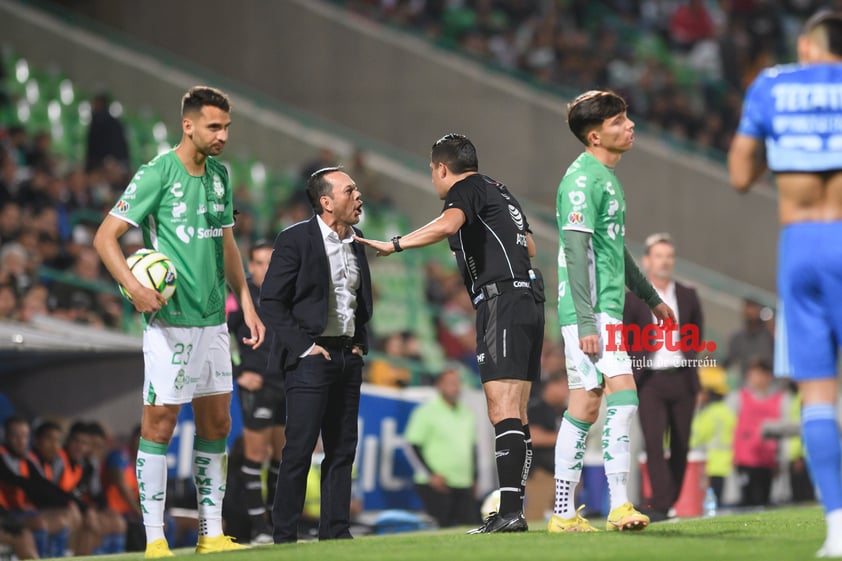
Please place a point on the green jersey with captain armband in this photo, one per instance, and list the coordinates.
(591, 201)
(183, 216)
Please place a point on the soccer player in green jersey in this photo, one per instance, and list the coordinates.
(182, 202)
(594, 268)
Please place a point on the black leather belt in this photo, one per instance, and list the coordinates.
(339, 342)
(494, 289)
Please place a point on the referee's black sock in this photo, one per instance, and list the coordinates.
(527, 461)
(253, 496)
(511, 455)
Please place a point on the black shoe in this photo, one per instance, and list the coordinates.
(654, 514)
(514, 522)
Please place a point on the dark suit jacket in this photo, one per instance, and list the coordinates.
(637, 312)
(294, 294)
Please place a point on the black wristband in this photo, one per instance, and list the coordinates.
(396, 242)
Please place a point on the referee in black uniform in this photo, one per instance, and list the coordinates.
(263, 403)
(490, 237)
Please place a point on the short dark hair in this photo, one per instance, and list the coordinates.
(318, 187)
(12, 421)
(759, 363)
(258, 245)
(200, 96)
(46, 427)
(590, 109)
(457, 152)
(830, 24)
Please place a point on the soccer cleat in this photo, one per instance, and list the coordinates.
(262, 539)
(830, 549)
(559, 525)
(514, 522)
(625, 517)
(215, 544)
(157, 549)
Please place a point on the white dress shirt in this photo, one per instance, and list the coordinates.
(663, 359)
(344, 282)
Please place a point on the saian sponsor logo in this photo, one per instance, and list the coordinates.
(187, 233)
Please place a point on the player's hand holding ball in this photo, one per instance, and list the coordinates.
(156, 276)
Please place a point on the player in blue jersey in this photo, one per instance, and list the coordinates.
(796, 110)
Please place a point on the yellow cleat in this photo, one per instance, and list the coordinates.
(626, 517)
(559, 525)
(157, 549)
(215, 544)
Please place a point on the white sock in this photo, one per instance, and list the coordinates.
(834, 525)
(209, 471)
(615, 444)
(569, 462)
(565, 505)
(151, 469)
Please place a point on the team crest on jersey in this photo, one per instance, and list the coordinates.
(218, 187)
(575, 218)
(180, 380)
(122, 206)
(517, 217)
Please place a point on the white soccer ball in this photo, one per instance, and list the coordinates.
(490, 504)
(153, 270)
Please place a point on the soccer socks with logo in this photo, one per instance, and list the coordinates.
(616, 454)
(151, 469)
(511, 455)
(253, 496)
(824, 455)
(569, 462)
(527, 461)
(209, 477)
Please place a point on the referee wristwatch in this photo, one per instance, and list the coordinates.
(396, 242)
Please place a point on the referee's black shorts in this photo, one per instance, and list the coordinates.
(264, 408)
(510, 335)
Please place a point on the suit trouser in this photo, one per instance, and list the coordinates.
(667, 402)
(323, 396)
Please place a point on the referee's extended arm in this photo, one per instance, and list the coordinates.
(445, 225)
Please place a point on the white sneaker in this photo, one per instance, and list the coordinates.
(831, 549)
(262, 539)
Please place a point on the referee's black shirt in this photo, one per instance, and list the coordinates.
(491, 245)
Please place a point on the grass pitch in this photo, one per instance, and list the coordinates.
(774, 535)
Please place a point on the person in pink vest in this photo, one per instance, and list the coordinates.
(756, 457)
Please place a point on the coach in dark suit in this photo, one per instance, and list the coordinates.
(317, 299)
(667, 380)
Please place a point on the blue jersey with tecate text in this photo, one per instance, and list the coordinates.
(797, 110)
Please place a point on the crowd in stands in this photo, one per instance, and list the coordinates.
(681, 64)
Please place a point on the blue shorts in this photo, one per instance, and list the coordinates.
(810, 286)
